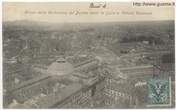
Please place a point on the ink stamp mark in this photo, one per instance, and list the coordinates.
(159, 93)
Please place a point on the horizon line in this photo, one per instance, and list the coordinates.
(88, 22)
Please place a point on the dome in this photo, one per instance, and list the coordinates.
(60, 67)
(60, 60)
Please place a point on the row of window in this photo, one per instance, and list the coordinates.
(115, 94)
(78, 99)
(108, 102)
(113, 81)
(81, 101)
(142, 70)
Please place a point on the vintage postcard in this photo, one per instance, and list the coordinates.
(88, 55)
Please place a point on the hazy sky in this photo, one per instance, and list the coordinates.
(29, 11)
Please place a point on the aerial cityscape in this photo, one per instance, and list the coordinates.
(85, 65)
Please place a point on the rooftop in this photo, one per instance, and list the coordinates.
(60, 67)
(55, 98)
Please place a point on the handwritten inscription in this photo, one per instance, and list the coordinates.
(97, 5)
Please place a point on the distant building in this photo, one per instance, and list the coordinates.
(30, 88)
(82, 98)
(116, 93)
(59, 91)
(139, 71)
(32, 91)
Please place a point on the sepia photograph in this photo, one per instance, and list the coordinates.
(88, 55)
